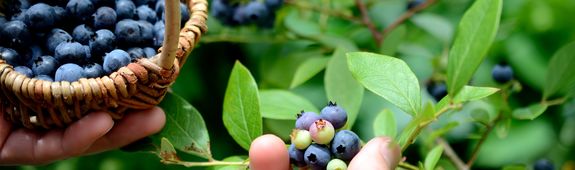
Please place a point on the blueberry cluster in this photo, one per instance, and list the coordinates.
(502, 73)
(316, 142)
(65, 40)
(246, 12)
(437, 89)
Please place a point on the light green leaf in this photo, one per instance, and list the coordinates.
(435, 25)
(475, 33)
(308, 69)
(282, 104)
(167, 151)
(393, 40)
(411, 128)
(428, 113)
(471, 93)
(560, 76)
(432, 157)
(185, 127)
(340, 86)
(302, 27)
(242, 115)
(531, 112)
(387, 77)
(384, 124)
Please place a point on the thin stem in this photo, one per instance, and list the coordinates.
(334, 13)
(554, 102)
(481, 140)
(367, 22)
(241, 39)
(211, 163)
(405, 16)
(450, 153)
(423, 125)
(406, 165)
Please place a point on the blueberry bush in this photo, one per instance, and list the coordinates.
(466, 84)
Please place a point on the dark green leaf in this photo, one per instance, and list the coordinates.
(471, 93)
(185, 127)
(432, 157)
(560, 76)
(242, 115)
(531, 112)
(282, 104)
(387, 77)
(475, 33)
(341, 87)
(384, 124)
(167, 151)
(308, 69)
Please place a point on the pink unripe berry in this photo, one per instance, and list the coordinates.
(322, 131)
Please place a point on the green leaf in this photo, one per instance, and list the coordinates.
(428, 113)
(387, 77)
(231, 167)
(185, 127)
(410, 129)
(302, 27)
(531, 112)
(432, 157)
(502, 128)
(514, 167)
(340, 86)
(480, 115)
(308, 69)
(475, 33)
(435, 25)
(242, 115)
(393, 40)
(167, 151)
(282, 104)
(384, 124)
(560, 76)
(471, 93)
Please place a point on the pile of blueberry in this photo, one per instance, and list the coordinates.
(316, 142)
(61, 40)
(246, 12)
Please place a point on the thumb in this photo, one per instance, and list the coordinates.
(378, 153)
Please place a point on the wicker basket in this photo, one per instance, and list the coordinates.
(38, 104)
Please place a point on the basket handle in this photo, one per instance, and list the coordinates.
(171, 35)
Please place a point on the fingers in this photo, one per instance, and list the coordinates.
(134, 126)
(268, 152)
(79, 136)
(378, 153)
(5, 129)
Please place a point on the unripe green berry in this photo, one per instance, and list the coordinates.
(322, 132)
(300, 138)
(336, 164)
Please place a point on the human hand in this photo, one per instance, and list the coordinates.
(95, 132)
(270, 152)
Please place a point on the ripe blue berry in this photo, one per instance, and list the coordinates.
(15, 34)
(104, 18)
(60, 15)
(44, 77)
(103, 2)
(56, 37)
(132, 32)
(296, 156)
(40, 17)
(136, 53)
(437, 90)
(336, 115)
(300, 138)
(160, 5)
(24, 70)
(69, 72)
(273, 4)
(321, 131)
(80, 10)
(502, 73)
(10, 56)
(345, 145)
(142, 2)
(125, 9)
(70, 53)
(159, 37)
(306, 119)
(44, 65)
(256, 11)
(82, 34)
(336, 164)
(543, 164)
(115, 60)
(185, 13)
(104, 41)
(147, 33)
(33, 52)
(222, 11)
(414, 3)
(149, 52)
(93, 70)
(317, 156)
(145, 13)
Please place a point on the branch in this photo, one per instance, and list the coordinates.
(210, 163)
(408, 166)
(450, 153)
(406, 16)
(481, 140)
(367, 22)
(423, 125)
(338, 14)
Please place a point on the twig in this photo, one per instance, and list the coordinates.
(406, 165)
(450, 153)
(367, 22)
(421, 126)
(481, 140)
(338, 14)
(405, 16)
(210, 163)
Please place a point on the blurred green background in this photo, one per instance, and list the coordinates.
(530, 32)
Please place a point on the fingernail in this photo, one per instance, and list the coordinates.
(389, 150)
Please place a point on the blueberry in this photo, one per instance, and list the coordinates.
(185, 13)
(73, 52)
(60, 15)
(69, 72)
(159, 25)
(103, 2)
(502, 73)
(104, 18)
(296, 156)
(82, 34)
(4, 21)
(437, 90)
(80, 10)
(414, 3)
(136, 53)
(44, 77)
(115, 60)
(336, 164)
(543, 164)
(32, 53)
(316, 156)
(56, 37)
(222, 11)
(143, 2)
(15, 34)
(104, 41)
(321, 132)
(24, 70)
(149, 52)
(20, 16)
(255, 11)
(345, 145)
(160, 7)
(300, 138)
(125, 9)
(44, 65)
(159, 38)
(145, 13)
(306, 119)
(10, 56)
(334, 114)
(128, 32)
(40, 17)
(240, 16)
(147, 33)
(93, 70)
(24, 4)
(273, 4)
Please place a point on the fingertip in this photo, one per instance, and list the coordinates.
(378, 153)
(268, 152)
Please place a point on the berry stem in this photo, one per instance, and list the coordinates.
(404, 17)
(203, 164)
(450, 153)
(481, 141)
(406, 165)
